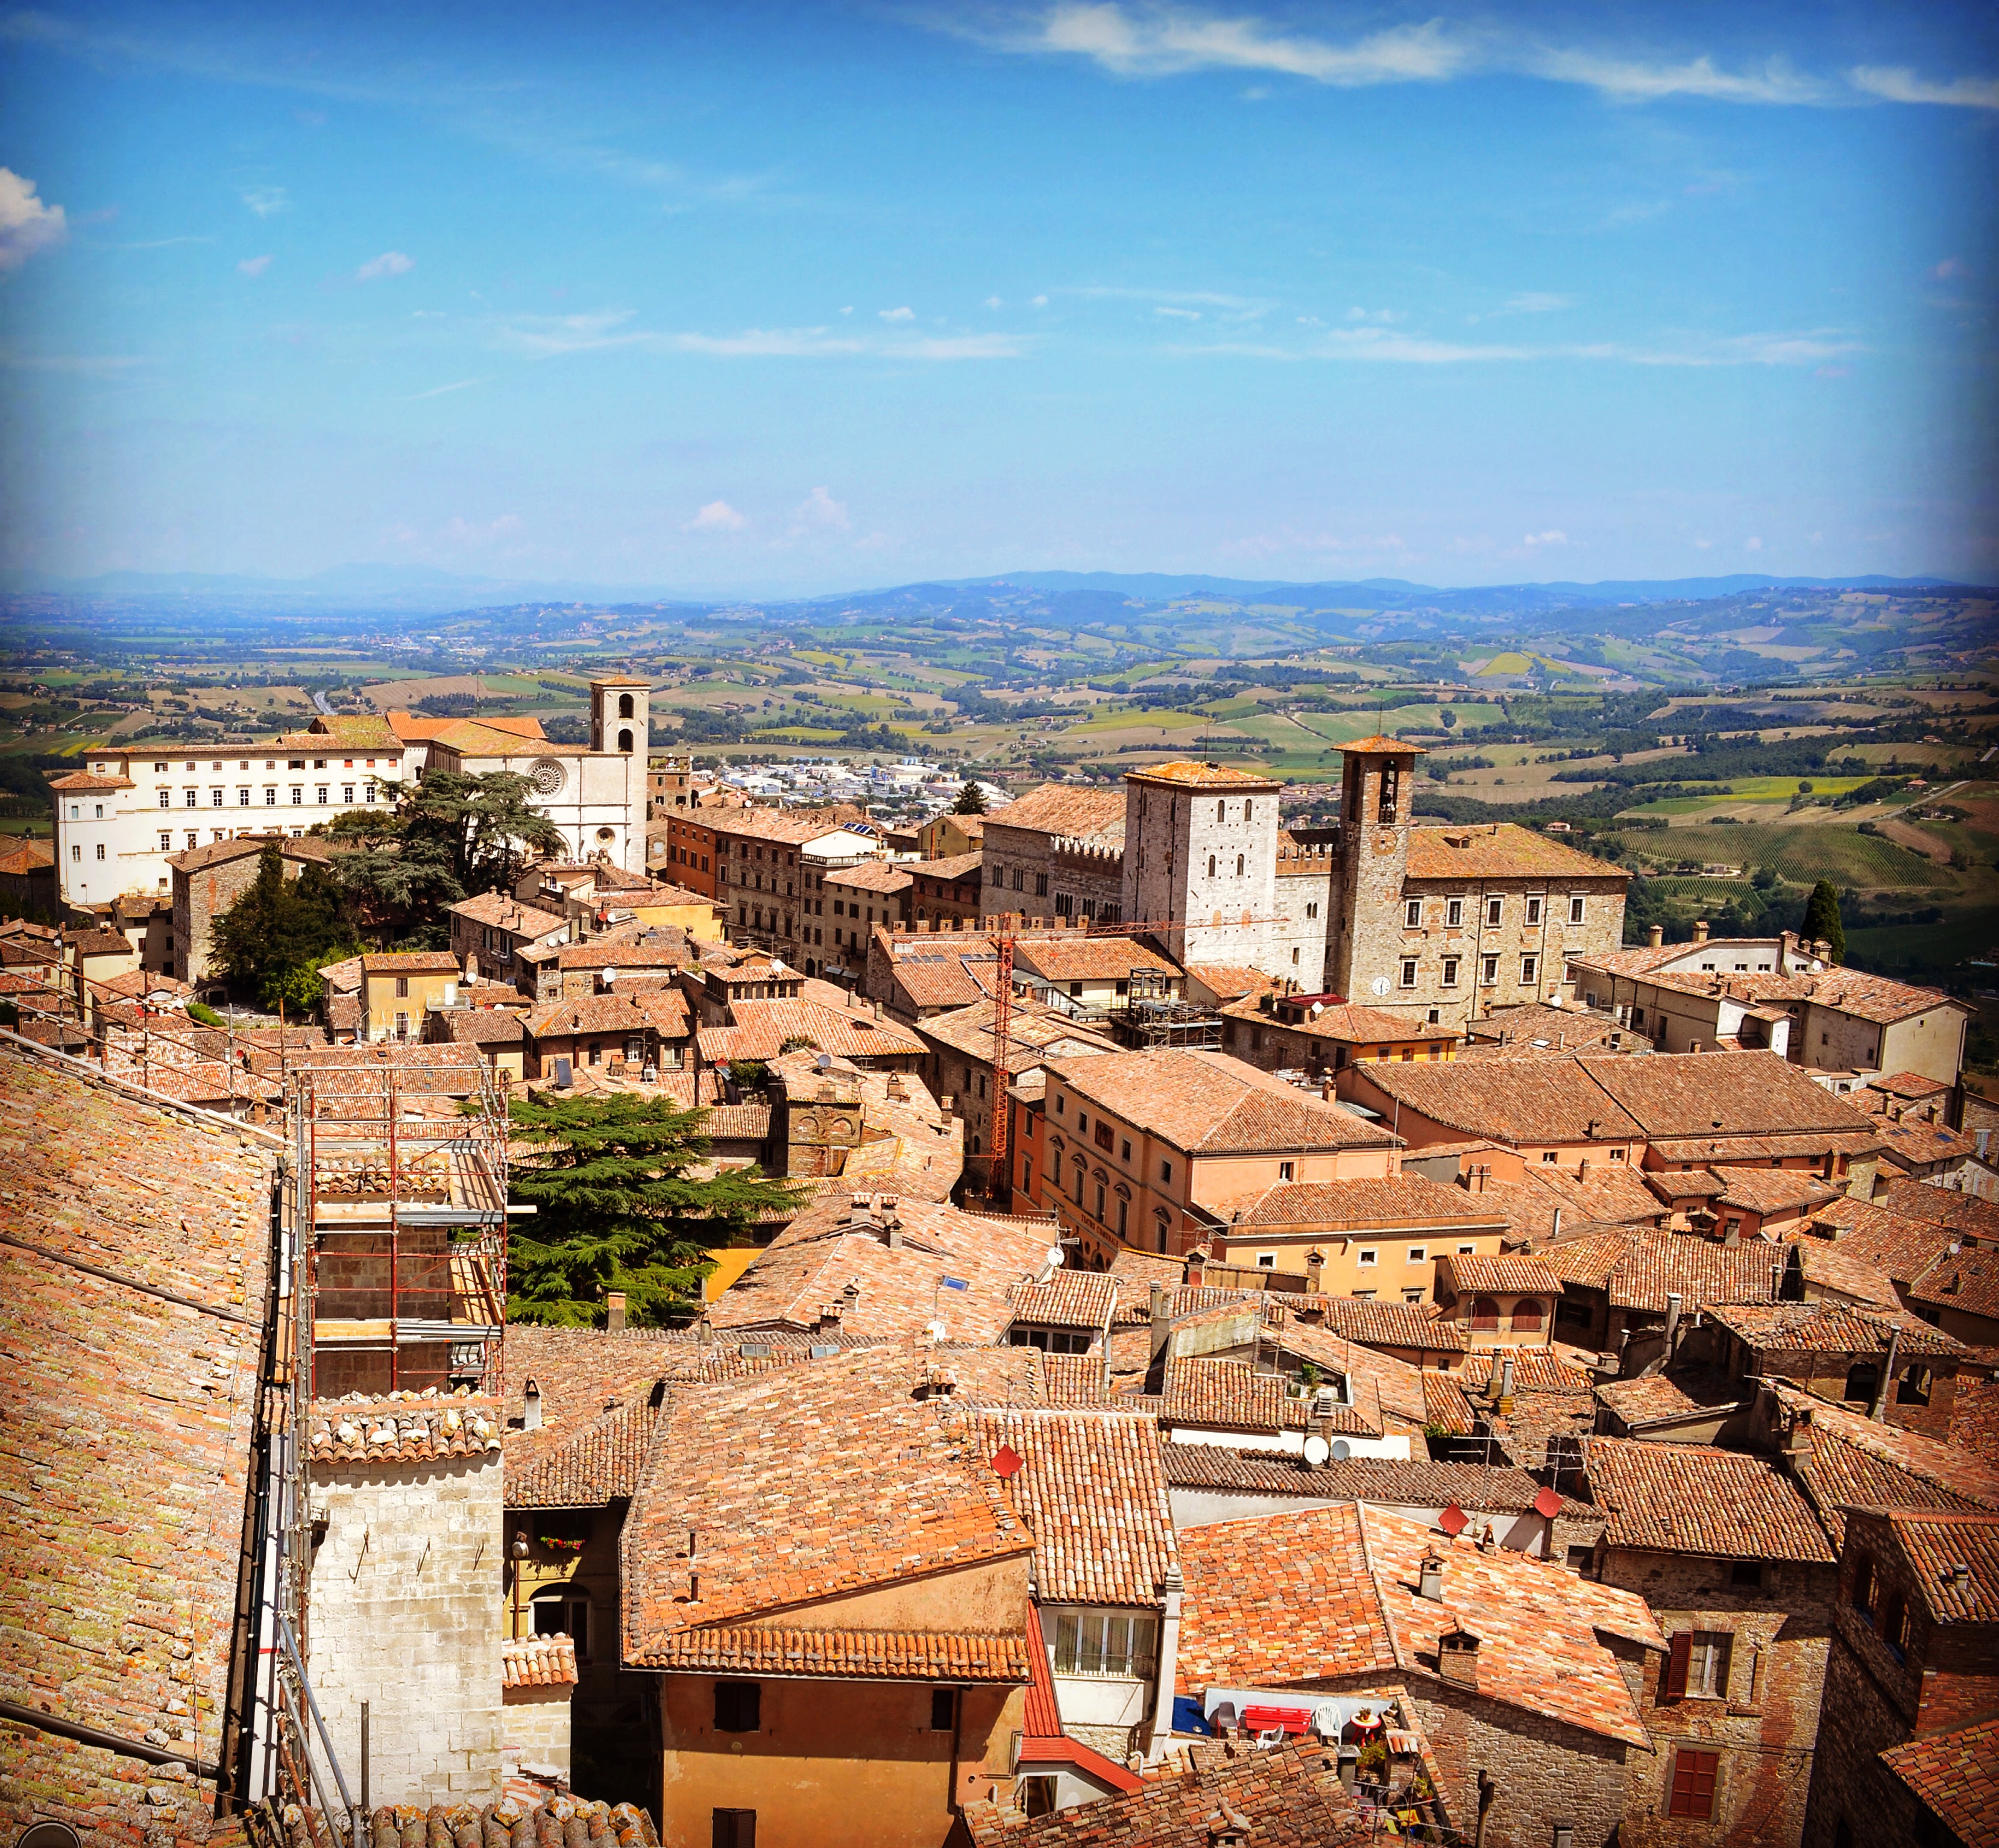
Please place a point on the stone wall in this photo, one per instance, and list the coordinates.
(535, 1729)
(1765, 1724)
(1364, 937)
(1856, 1801)
(1208, 855)
(405, 1614)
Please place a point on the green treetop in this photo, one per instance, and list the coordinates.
(970, 799)
(617, 1208)
(1822, 919)
(280, 931)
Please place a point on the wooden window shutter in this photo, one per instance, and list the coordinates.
(1673, 1687)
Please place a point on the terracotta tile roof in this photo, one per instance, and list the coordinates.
(128, 1422)
(486, 1026)
(1290, 1797)
(1388, 1394)
(538, 1661)
(763, 1028)
(599, 1464)
(1510, 1101)
(1067, 811)
(953, 866)
(1500, 850)
(1229, 981)
(1535, 1031)
(1446, 1405)
(401, 1428)
(882, 876)
(1694, 1094)
(1381, 1480)
(1856, 1462)
(1074, 956)
(244, 846)
(1974, 1417)
(1187, 775)
(25, 854)
(409, 962)
(1460, 1276)
(1226, 1395)
(1913, 1142)
(765, 825)
(1067, 1299)
(101, 942)
(1339, 1206)
(1076, 1379)
(1955, 1777)
(631, 1012)
(1938, 1546)
(1830, 1268)
(1207, 1103)
(1381, 1324)
(503, 912)
(1830, 1328)
(846, 1655)
(88, 780)
(1539, 1370)
(1380, 745)
(870, 1486)
(1686, 1498)
(1346, 1022)
(801, 1281)
(1655, 1398)
(1898, 1245)
(1909, 1085)
(1613, 1193)
(1963, 1213)
(1092, 1489)
(1637, 1267)
(1291, 1599)
(1772, 1190)
(944, 981)
(1037, 1033)
(620, 956)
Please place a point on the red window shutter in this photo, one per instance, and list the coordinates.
(1692, 1793)
(1673, 1687)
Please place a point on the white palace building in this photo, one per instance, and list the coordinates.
(120, 818)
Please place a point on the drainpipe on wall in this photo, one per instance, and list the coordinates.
(1168, 1668)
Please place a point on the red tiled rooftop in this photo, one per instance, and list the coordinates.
(1686, 1498)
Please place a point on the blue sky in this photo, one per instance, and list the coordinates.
(761, 298)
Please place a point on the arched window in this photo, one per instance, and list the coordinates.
(624, 705)
(1210, 866)
(1863, 1380)
(1914, 1387)
(1485, 1313)
(625, 740)
(1527, 1311)
(1248, 809)
(1159, 1223)
(1239, 864)
(1221, 812)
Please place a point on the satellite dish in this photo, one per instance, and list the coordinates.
(1341, 1450)
(610, 976)
(1054, 1254)
(934, 1330)
(1381, 985)
(1316, 1451)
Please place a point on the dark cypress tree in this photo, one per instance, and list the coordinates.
(1822, 919)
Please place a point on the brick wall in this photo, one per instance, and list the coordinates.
(1850, 1785)
(405, 1614)
(1764, 1727)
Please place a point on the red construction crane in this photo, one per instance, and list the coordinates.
(999, 1170)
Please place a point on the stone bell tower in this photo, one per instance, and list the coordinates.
(621, 728)
(1366, 939)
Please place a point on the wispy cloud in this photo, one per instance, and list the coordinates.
(897, 314)
(254, 266)
(1143, 39)
(718, 516)
(1554, 536)
(266, 202)
(545, 336)
(1896, 83)
(1534, 302)
(457, 385)
(26, 224)
(391, 263)
(1395, 346)
(819, 512)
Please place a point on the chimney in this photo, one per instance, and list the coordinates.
(1878, 1411)
(1506, 1401)
(1582, 1169)
(1675, 1301)
(1960, 1579)
(705, 1331)
(1655, 937)
(1700, 932)
(1554, 1231)
(1493, 1384)
(614, 1311)
(1457, 1658)
(1799, 1439)
(1162, 1331)
(1429, 1578)
(894, 1235)
(531, 1405)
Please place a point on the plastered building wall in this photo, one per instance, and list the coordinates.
(405, 1589)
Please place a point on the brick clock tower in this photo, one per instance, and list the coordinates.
(1375, 795)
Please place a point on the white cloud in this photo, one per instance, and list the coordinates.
(959, 346)
(846, 311)
(1040, 301)
(718, 516)
(1552, 537)
(391, 263)
(992, 301)
(265, 201)
(1178, 314)
(459, 385)
(1752, 545)
(545, 336)
(1151, 42)
(254, 266)
(1702, 545)
(26, 224)
(761, 343)
(1532, 302)
(819, 509)
(1390, 346)
(1898, 84)
(1949, 267)
(1628, 81)
(897, 314)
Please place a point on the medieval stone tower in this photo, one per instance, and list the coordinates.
(1366, 931)
(621, 729)
(1200, 850)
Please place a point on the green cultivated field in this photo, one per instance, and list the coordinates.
(1804, 854)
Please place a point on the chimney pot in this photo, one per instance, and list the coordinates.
(614, 1311)
(1457, 1658)
(530, 1406)
(1700, 932)
(1656, 936)
(1429, 1577)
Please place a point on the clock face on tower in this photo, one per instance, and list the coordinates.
(546, 777)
